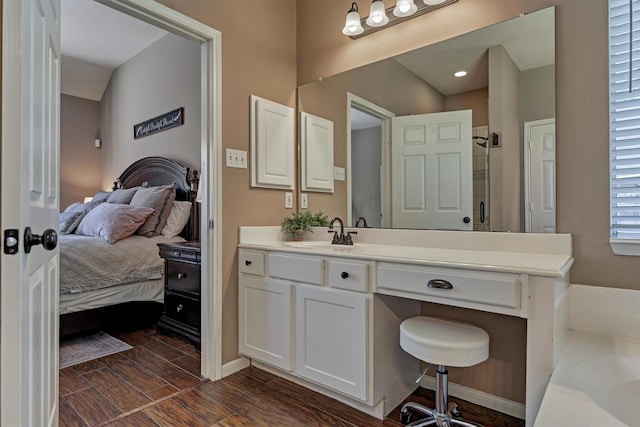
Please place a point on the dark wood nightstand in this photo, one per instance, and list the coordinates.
(181, 290)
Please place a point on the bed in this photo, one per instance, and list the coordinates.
(109, 278)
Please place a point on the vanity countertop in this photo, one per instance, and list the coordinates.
(494, 259)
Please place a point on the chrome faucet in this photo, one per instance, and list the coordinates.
(340, 238)
(364, 222)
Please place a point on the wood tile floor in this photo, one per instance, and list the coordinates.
(157, 383)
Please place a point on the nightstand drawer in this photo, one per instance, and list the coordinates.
(182, 309)
(183, 277)
(173, 252)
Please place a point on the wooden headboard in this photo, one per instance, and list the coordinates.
(153, 171)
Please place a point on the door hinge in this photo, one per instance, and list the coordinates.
(210, 224)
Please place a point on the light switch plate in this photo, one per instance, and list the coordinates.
(338, 173)
(304, 201)
(236, 158)
(288, 200)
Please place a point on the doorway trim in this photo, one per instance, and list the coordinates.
(210, 164)
(354, 101)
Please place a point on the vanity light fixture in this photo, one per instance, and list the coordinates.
(380, 18)
(352, 25)
(460, 73)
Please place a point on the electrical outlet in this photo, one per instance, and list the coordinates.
(304, 201)
(338, 173)
(236, 158)
(288, 200)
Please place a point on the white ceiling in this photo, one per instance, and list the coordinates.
(95, 40)
(529, 40)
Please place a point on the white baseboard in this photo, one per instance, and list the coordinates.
(235, 365)
(481, 398)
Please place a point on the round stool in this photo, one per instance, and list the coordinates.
(443, 343)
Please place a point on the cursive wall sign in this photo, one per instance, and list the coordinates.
(157, 124)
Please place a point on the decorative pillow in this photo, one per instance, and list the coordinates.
(178, 218)
(67, 219)
(161, 200)
(122, 195)
(101, 195)
(113, 221)
(83, 208)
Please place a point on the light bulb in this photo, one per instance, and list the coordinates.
(404, 8)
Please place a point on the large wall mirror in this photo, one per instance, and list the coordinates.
(485, 158)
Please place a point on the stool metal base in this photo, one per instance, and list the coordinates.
(441, 416)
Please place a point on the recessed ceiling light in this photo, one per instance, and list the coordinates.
(460, 73)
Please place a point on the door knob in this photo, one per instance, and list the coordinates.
(48, 239)
(466, 220)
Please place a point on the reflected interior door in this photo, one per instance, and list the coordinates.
(540, 176)
(30, 162)
(432, 177)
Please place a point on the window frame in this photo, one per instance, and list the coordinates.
(617, 46)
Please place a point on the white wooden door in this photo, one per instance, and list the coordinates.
(265, 320)
(432, 182)
(540, 176)
(30, 161)
(331, 339)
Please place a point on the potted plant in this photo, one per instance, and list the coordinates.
(294, 226)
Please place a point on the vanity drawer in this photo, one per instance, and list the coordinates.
(298, 268)
(250, 262)
(500, 289)
(352, 276)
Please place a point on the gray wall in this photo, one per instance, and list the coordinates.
(163, 77)
(80, 161)
(538, 93)
(505, 161)
(366, 159)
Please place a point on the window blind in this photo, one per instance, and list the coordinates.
(624, 117)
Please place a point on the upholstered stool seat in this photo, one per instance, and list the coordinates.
(443, 343)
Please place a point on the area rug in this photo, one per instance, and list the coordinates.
(83, 349)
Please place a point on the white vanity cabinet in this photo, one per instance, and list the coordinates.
(265, 317)
(331, 338)
(329, 332)
(341, 307)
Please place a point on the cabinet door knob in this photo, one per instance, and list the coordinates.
(179, 308)
(182, 275)
(344, 274)
(247, 263)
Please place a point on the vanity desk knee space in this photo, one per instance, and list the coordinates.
(328, 316)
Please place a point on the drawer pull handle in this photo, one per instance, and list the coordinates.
(344, 274)
(439, 284)
(179, 308)
(176, 253)
(182, 275)
(247, 263)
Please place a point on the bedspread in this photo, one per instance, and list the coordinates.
(90, 263)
